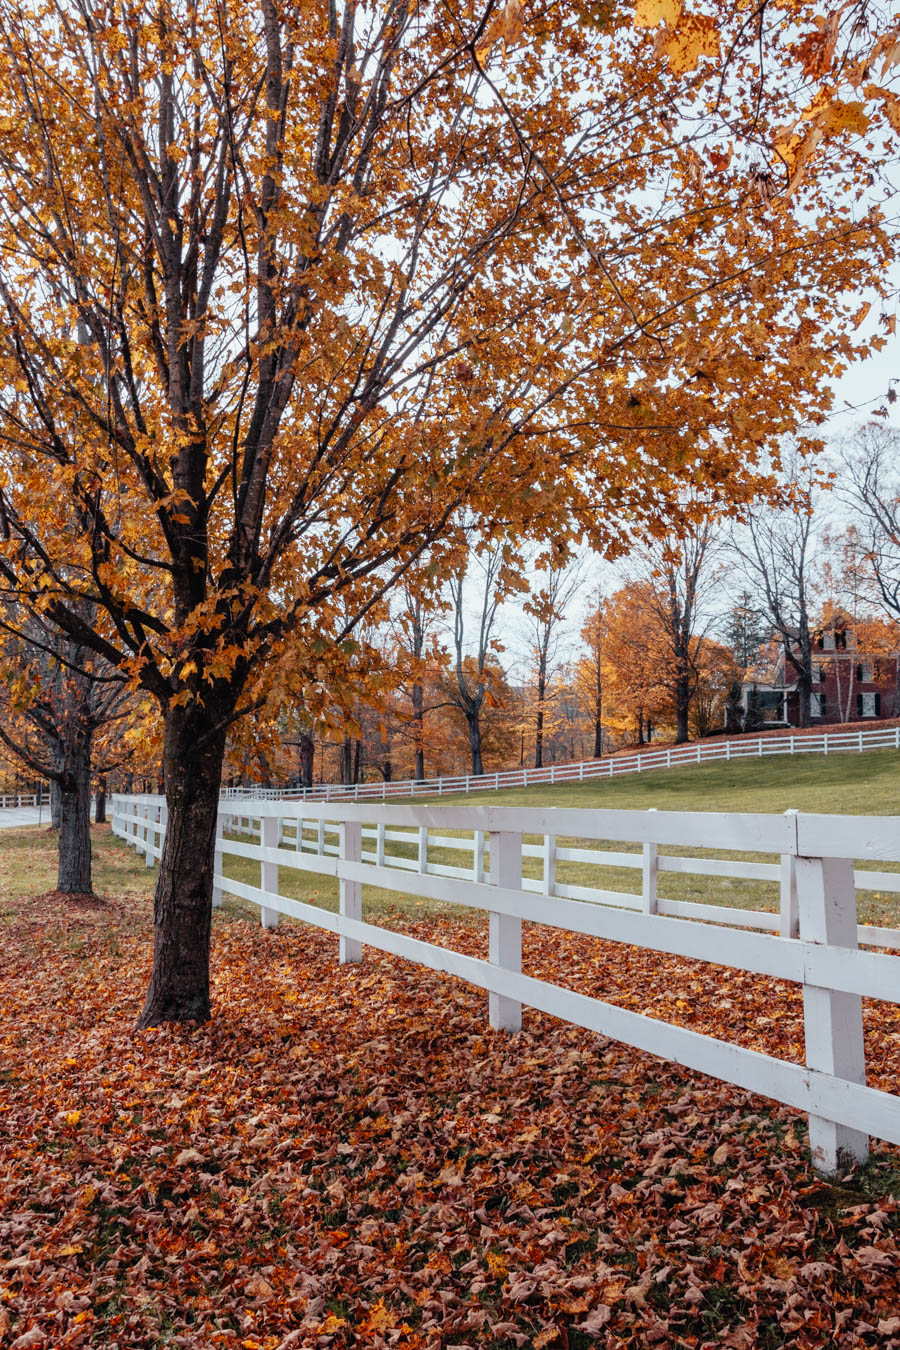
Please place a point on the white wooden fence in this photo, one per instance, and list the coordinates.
(667, 757)
(813, 939)
(9, 799)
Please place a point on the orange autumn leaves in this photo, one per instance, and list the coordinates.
(685, 37)
(348, 1157)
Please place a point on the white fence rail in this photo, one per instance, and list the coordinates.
(12, 799)
(813, 938)
(700, 752)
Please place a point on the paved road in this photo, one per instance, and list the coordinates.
(23, 815)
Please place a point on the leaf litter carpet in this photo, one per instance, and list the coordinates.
(348, 1156)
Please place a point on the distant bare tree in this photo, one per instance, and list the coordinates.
(778, 550)
(546, 610)
(471, 660)
(871, 484)
(680, 574)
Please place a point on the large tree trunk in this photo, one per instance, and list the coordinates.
(74, 870)
(474, 722)
(54, 803)
(100, 813)
(182, 906)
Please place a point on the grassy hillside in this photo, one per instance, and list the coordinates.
(866, 784)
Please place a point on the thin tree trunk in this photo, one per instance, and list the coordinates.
(803, 699)
(475, 742)
(307, 752)
(182, 906)
(539, 721)
(100, 813)
(418, 702)
(682, 709)
(598, 709)
(74, 870)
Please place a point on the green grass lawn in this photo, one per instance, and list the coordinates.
(847, 783)
(866, 784)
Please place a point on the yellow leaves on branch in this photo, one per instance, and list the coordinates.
(686, 38)
(506, 26)
(827, 116)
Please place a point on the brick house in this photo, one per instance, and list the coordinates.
(849, 684)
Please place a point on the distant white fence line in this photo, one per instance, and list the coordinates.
(11, 799)
(813, 939)
(698, 752)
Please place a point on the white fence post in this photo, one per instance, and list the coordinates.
(478, 856)
(505, 932)
(789, 920)
(832, 1020)
(549, 864)
(350, 892)
(218, 861)
(270, 830)
(649, 875)
(423, 848)
(150, 834)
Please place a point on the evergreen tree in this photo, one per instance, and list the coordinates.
(753, 718)
(734, 709)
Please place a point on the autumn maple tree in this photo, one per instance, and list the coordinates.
(287, 285)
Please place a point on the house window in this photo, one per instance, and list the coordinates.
(818, 674)
(868, 705)
(817, 705)
(864, 672)
(828, 642)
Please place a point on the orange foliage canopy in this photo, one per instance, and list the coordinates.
(284, 286)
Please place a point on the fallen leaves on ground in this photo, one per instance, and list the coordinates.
(348, 1156)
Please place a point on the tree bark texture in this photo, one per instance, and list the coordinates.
(54, 803)
(182, 904)
(74, 867)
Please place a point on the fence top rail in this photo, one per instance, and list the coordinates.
(803, 834)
